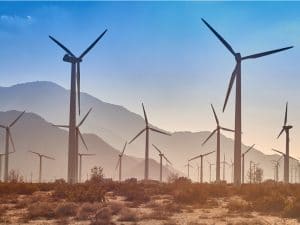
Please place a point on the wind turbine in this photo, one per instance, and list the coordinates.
(232, 169)
(188, 165)
(224, 162)
(161, 155)
(198, 172)
(1, 156)
(119, 163)
(286, 128)
(201, 163)
(218, 130)
(210, 165)
(40, 164)
(236, 75)
(284, 162)
(243, 162)
(276, 167)
(77, 135)
(147, 129)
(75, 80)
(80, 163)
(8, 138)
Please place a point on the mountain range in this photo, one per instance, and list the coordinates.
(108, 127)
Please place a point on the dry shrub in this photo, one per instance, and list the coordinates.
(158, 215)
(3, 210)
(127, 214)
(238, 205)
(191, 194)
(115, 207)
(88, 192)
(41, 210)
(65, 209)
(103, 216)
(86, 210)
(292, 209)
(17, 188)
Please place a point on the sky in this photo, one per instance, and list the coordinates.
(160, 53)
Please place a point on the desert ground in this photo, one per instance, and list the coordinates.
(99, 202)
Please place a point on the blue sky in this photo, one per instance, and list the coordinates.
(162, 54)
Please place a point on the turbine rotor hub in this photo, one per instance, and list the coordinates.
(238, 57)
(71, 59)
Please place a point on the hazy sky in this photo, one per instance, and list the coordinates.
(162, 54)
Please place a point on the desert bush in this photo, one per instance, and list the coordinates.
(3, 210)
(17, 188)
(65, 209)
(86, 210)
(238, 205)
(103, 216)
(80, 192)
(115, 207)
(127, 214)
(41, 210)
(191, 194)
(292, 209)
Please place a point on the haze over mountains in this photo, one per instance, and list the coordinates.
(114, 124)
(34, 133)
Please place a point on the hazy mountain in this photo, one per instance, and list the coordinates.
(115, 124)
(34, 133)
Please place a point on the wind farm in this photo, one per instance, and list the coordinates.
(111, 164)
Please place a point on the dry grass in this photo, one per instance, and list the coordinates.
(41, 210)
(65, 209)
(127, 214)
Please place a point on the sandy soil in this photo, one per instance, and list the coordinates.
(214, 212)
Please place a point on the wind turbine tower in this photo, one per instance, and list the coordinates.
(218, 155)
(69, 57)
(236, 76)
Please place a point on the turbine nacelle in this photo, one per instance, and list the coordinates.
(287, 127)
(71, 59)
(238, 57)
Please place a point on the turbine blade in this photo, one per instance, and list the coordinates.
(78, 85)
(167, 160)
(220, 37)
(232, 79)
(145, 115)
(158, 131)
(280, 133)
(92, 45)
(117, 164)
(286, 111)
(82, 139)
(280, 158)
(13, 123)
(212, 133)
(124, 148)
(251, 147)
(64, 126)
(216, 118)
(34, 152)
(12, 142)
(156, 148)
(227, 129)
(208, 153)
(196, 157)
(254, 56)
(275, 150)
(86, 154)
(48, 157)
(137, 135)
(84, 118)
(62, 46)
(2, 126)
